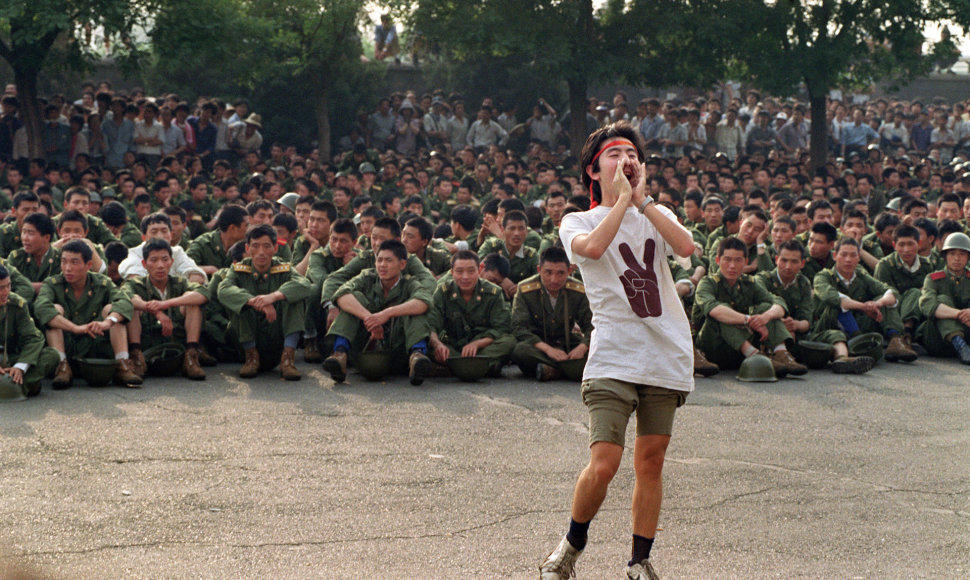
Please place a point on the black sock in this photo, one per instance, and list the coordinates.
(641, 549)
(134, 346)
(194, 345)
(576, 535)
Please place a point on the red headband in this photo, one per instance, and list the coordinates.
(592, 202)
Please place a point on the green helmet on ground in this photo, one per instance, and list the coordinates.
(869, 344)
(97, 371)
(10, 391)
(757, 369)
(375, 364)
(815, 355)
(469, 368)
(164, 360)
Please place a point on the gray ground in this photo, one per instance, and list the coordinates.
(829, 477)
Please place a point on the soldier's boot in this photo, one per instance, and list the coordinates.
(125, 374)
(785, 359)
(311, 351)
(419, 365)
(288, 368)
(702, 366)
(546, 372)
(250, 368)
(191, 366)
(206, 359)
(63, 377)
(138, 364)
(336, 365)
(898, 351)
(852, 365)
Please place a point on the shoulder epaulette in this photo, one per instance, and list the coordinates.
(240, 267)
(938, 275)
(530, 286)
(280, 269)
(17, 300)
(575, 286)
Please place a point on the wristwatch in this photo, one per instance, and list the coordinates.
(645, 203)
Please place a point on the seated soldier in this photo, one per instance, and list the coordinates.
(523, 259)
(316, 235)
(287, 228)
(25, 358)
(753, 230)
(787, 282)
(78, 199)
(416, 236)
(115, 218)
(821, 240)
(114, 254)
(905, 270)
(267, 299)
(385, 307)
(734, 312)
(855, 226)
(545, 311)
(77, 307)
(469, 316)
(464, 236)
(945, 301)
(24, 204)
(211, 250)
(37, 260)
(168, 308)
(215, 317)
(324, 261)
(850, 300)
(884, 225)
(159, 226)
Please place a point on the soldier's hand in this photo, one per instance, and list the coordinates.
(557, 354)
(790, 324)
(758, 324)
(153, 306)
(376, 320)
(16, 375)
(332, 315)
(470, 349)
(964, 316)
(441, 352)
(872, 311)
(166, 322)
(377, 333)
(269, 312)
(578, 352)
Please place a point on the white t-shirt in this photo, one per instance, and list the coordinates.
(645, 338)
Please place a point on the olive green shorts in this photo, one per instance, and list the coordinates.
(612, 401)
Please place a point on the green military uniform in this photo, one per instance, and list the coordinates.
(9, 238)
(524, 262)
(721, 342)
(442, 208)
(400, 333)
(937, 261)
(363, 242)
(873, 238)
(908, 283)
(365, 260)
(151, 328)
(131, 235)
(243, 282)
(485, 315)
(943, 287)
(829, 288)
(322, 264)
(873, 247)
(186, 240)
(437, 261)
(20, 284)
(472, 240)
(535, 319)
(207, 208)
(710, 249)
(215, 321)
(207, 250)
(763, 260)
(299, 249)
(813, 266)
(283, 252)
(23, 343)
(49, 266)
(99, 291)
(799, 299)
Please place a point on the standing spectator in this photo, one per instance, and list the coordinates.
(761, 137)
(485, 132)
(673, 135)
(386, 42)
(943, 139)
(542, 124)
(245, 137)
(407, 128)
(56, 137)
(696, 134)
(205, 134)
(173, 138)
(95, 139)
(436, 123)
(149, 136)
(729, 136)
(182, 122)
(921, 135)
(224, 125)
(651, 124)
(79, 141)
(457, 127)
(119, 134)
(9, 124)
(857, 135)
(793, 136)
(894, 132)
(380, 126)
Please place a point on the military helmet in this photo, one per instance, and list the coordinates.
(869, 344)
(366, 167)
(10, 391)
(469, 368)
(757, 369)
(97, 371)
(956, 241)
(375, 364)
(288, 200)
(815, 355)
(164, 360)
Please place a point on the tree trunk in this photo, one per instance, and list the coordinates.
(321, 102)
(30, 112)
(577, 116)
(819, 147)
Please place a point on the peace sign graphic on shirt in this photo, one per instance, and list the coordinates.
(640, 282)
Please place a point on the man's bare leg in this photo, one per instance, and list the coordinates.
(604, 461)
(648, 462)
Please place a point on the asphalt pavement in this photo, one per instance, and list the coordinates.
(828, 476)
